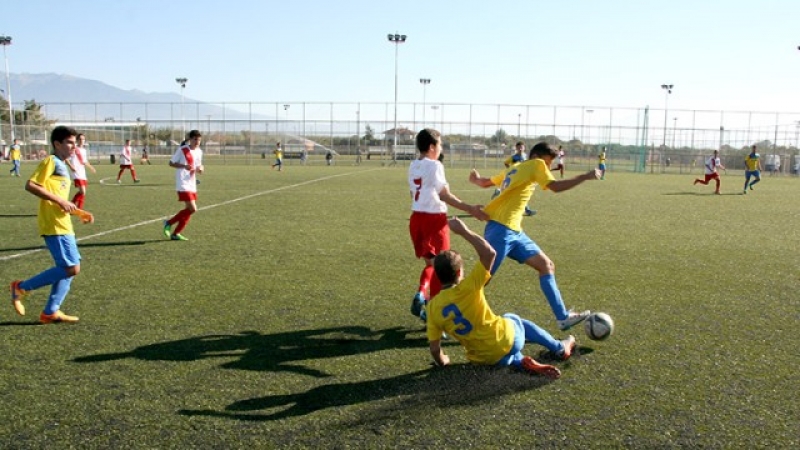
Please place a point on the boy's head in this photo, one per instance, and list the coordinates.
(63, 141)
(429, 139)
(81, 138)
(448, 266)
(194, 138)
(544, 151)
(520, 147)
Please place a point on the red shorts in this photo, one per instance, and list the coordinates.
(559, 167)
(79, 183)
(712, 176)
(184, 196)
(125, 166)
(429, 234)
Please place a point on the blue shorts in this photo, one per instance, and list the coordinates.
(514, 356)
(507, 242)
(64, 249)
(752, 173)
(602, 167)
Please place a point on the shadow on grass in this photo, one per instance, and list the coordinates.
(17, 215)
(702, 194)
(273, 352)
(460, 384)
(87, 245)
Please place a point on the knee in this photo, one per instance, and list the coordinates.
(74, 270)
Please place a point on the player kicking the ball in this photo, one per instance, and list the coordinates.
(188, 159)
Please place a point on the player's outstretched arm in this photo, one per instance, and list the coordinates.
(438, 355)
(475, 211)
(565, 185)
(476, 179)
(485, 251)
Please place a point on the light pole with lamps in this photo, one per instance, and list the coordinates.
(5, 41)
(668, 89)
(182, 82)
(396, 39)
(286, 127)
(425, 82)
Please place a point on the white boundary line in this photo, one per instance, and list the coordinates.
(161, 219)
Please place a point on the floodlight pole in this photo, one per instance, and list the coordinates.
(396, 39)
(425, 82)
(674, 130)
(5, 41)
(182, 82)
(668, 89)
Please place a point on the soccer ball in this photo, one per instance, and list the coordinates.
(599, 326)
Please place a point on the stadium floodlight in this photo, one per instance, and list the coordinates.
(5, 41)
(396, 39)
(668, 89)
(425, 82)
(182, 82)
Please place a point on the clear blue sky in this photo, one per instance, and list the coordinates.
(719, 54)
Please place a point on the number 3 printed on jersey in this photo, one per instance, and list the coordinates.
(463, 326)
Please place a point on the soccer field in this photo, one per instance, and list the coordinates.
(284, 322)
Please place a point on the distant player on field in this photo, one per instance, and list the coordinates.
(712, 165)
(78, 162)
(560, 162)
(753, 169)
(504, 229)
(278, 157)
(50, 182)
(15, 155)
(126, 162)
(430, 195)
(188, 160)
(601, 163)
(461, 311)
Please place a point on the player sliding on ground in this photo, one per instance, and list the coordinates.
(504, 229)
(461, 311)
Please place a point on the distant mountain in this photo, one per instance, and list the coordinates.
(93, 100)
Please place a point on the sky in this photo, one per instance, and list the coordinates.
(718, 54)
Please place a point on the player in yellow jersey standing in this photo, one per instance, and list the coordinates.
(504, 229)
(278, 157)
(15, 155)
(50, 182)
(753, 169)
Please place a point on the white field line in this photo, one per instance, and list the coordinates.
(161, 219)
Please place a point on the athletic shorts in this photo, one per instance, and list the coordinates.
(429, 234)
(79, 183)
(64, 249)
(278, 162)
(514, 356)
(126, 166)
(711, 176)
(507, 242)
(752, 173)
(559, 167)
(184, 196)
(602, 167)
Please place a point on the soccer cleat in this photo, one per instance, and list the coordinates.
(17, 295)
(119, 181)
(529, 212)
(178, 237)
(167, 229)
(56, 317)
(136, 181)
(569, 347)
(533, 367)
(744, 192)
(418, 304)
(573, 318)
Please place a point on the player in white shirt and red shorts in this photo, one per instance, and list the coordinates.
(430, 195)
(78, 162)
(188, 159)
(126, 162)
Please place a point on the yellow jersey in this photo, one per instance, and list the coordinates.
(53, 175)
(15, 154)
(278, 154)
(751, 161)
(517, 184)
(463, 313)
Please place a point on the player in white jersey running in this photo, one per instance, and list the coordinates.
(78, 162)
(188, 159)
(430, 195)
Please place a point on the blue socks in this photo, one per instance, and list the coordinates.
(553, 295)
(60, 281)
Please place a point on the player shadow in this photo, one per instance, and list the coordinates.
(17, 215)
(701, 194)
(280, 352)
(86, 245)
(456, 385)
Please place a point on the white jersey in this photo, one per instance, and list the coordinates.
(125, 156)
(711, 165)
(561, 157)
(185, 180)
(78, 162)
(425, 180)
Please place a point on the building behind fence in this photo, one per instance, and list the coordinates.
(637, 139)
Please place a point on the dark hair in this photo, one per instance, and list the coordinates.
(60, 133)
(427, 137)
(195, 133)
(446, 265)
(519, 143)
(542, 149)
(80, 134)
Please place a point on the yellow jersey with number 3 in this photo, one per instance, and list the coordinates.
(463, 313)
(517, 184)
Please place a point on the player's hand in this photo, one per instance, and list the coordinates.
(474, 176)
(92, 169)
(477, 212)
(445, 360)
(68, 207)
(85, 216)
(457, 226)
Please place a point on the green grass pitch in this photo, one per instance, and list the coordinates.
(284, 323)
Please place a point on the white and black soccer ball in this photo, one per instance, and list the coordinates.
(599, 326)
